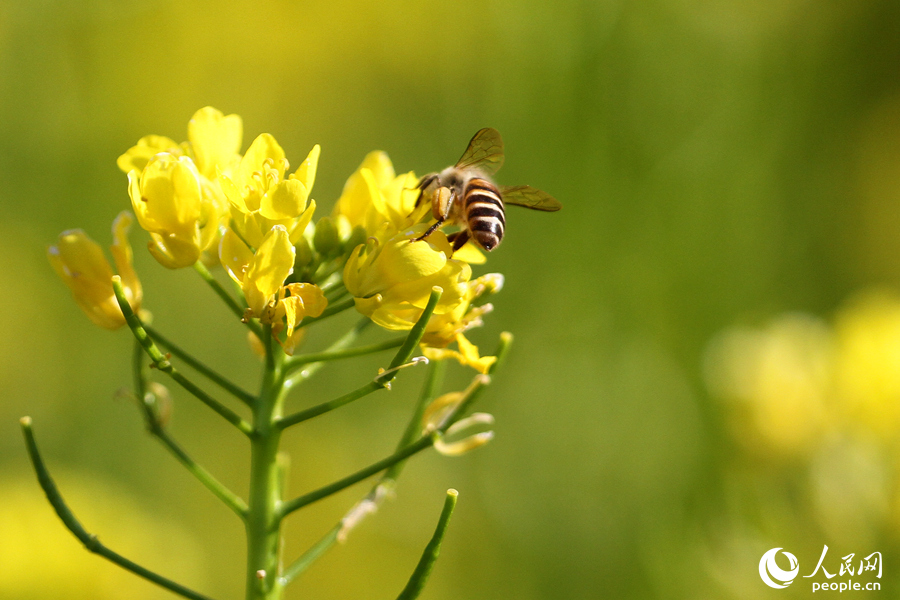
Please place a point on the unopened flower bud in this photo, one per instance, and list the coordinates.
(79, 261)
(357, 236)
(326, 239)
(304, 254)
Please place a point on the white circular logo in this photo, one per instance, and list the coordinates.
(772, 575)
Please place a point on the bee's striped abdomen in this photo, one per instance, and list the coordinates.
(485, 217)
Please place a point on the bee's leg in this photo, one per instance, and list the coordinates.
(440, 208)
(423, 184)
(429, 231)
(458, 239)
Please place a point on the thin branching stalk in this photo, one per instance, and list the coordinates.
(90, 540)
(383, 380)
(234, 389)
(162, 363)
(428, 393)
(429, 556)
(156, 428)
(344, 342)
(422, 443)
(229, 301)
(304, 359)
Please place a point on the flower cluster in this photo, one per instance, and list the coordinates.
(205, 204)
(248, 217)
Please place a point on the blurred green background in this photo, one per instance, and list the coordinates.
(719, 163)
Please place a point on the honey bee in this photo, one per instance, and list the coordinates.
(465, 195)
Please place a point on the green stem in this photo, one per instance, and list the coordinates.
(324, 407)
(157, 429)
(414, 426)
(472, 394)
(417, 330)
(266, 476)
(429, 556)
(348, 338)
(310, 556)
(232, 304)
(429, 391)
(89, 540)
(235, 390)
(323, 492)
(229, 498)
(163, 364)
(304, 359)
(381, 381)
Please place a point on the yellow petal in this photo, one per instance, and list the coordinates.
(79, 261)
(306, 300)
(79, 257)
(306, 172)
(376, 198)
(359, 195)
(215, 138)
(173, 251)
(234, 255)
(467, 356)
(471, 254)
(452, 279)
(393, 317)
(270, 266)
(137, 157)
(402, 260)
(168, 198)
(400, 197)
(286, 200)
(380, 165)
(300, 224)
(122, 256)
(232, 192)
(263, 148)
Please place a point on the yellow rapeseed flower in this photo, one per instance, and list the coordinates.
(213, 146)
(79, 261)
(391, 281)
(383, 203)
(378, 200)
(214, 143)
(261, 197)
(447, 328)
(261, 276)
(173, 204)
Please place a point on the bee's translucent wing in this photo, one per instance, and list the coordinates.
(485, 152)
(529, 197)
